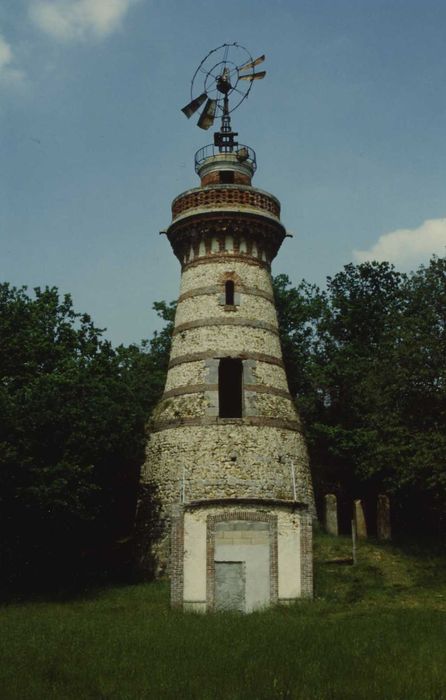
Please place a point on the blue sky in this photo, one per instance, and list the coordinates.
(348, 126)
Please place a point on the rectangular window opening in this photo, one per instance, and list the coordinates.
(230, 388)
(229, 293)
(227, 177)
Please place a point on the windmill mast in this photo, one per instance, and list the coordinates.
(224, 139)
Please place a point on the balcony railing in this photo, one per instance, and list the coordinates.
(242, 153)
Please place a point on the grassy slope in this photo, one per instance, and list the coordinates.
(377, 630)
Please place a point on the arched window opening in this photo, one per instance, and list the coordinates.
(230, 383)
(229, 293)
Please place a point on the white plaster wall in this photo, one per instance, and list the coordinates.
(194, 557)
(289, 561)
(256, 557)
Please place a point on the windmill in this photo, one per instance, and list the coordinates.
(226, 429)
(227, 71)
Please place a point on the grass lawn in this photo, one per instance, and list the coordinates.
(376, 630)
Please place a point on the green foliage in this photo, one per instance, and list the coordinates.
(366, 363)
(72, 434)
(373, 632)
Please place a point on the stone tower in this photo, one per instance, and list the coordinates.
(226, 435)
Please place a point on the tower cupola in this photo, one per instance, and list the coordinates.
(235, 167)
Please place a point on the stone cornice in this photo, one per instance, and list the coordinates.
(226, 222)
(263, 236)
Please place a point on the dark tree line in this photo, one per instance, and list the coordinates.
(366, 363)
(365, 360)
(73, 411)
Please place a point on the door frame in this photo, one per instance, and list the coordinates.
(228, 516)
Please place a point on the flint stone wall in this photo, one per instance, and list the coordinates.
(213, 272)
(198, 405)
(193, 373)
(187, 373)
(248, 457)
(206, 306)
(225, 340)
(226, 461)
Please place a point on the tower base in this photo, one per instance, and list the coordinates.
(240, 554)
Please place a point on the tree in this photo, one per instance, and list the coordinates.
(72, 434)
(366, 362)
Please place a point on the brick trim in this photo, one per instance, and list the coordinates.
(211, 421)
(200, 388)
(213, 321)
(218, 288)
(306, 555)
(177, 557)
(224, 196)
(211, 355)
(212, 520)
(227, 185)
(246, 502)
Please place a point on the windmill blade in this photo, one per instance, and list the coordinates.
(192, 107)
(208, 114)
(251, 64)
(253, 76)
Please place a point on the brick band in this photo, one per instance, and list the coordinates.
(218, 289)
(211, 321)
(213, 355)
(200, 388)
(210, 421)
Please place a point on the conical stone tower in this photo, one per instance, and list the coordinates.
(226, 454)
(226, 426)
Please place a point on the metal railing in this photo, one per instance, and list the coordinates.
(244, 154)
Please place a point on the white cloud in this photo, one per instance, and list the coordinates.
(408, 246)
(9, 74)
(71, 20)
